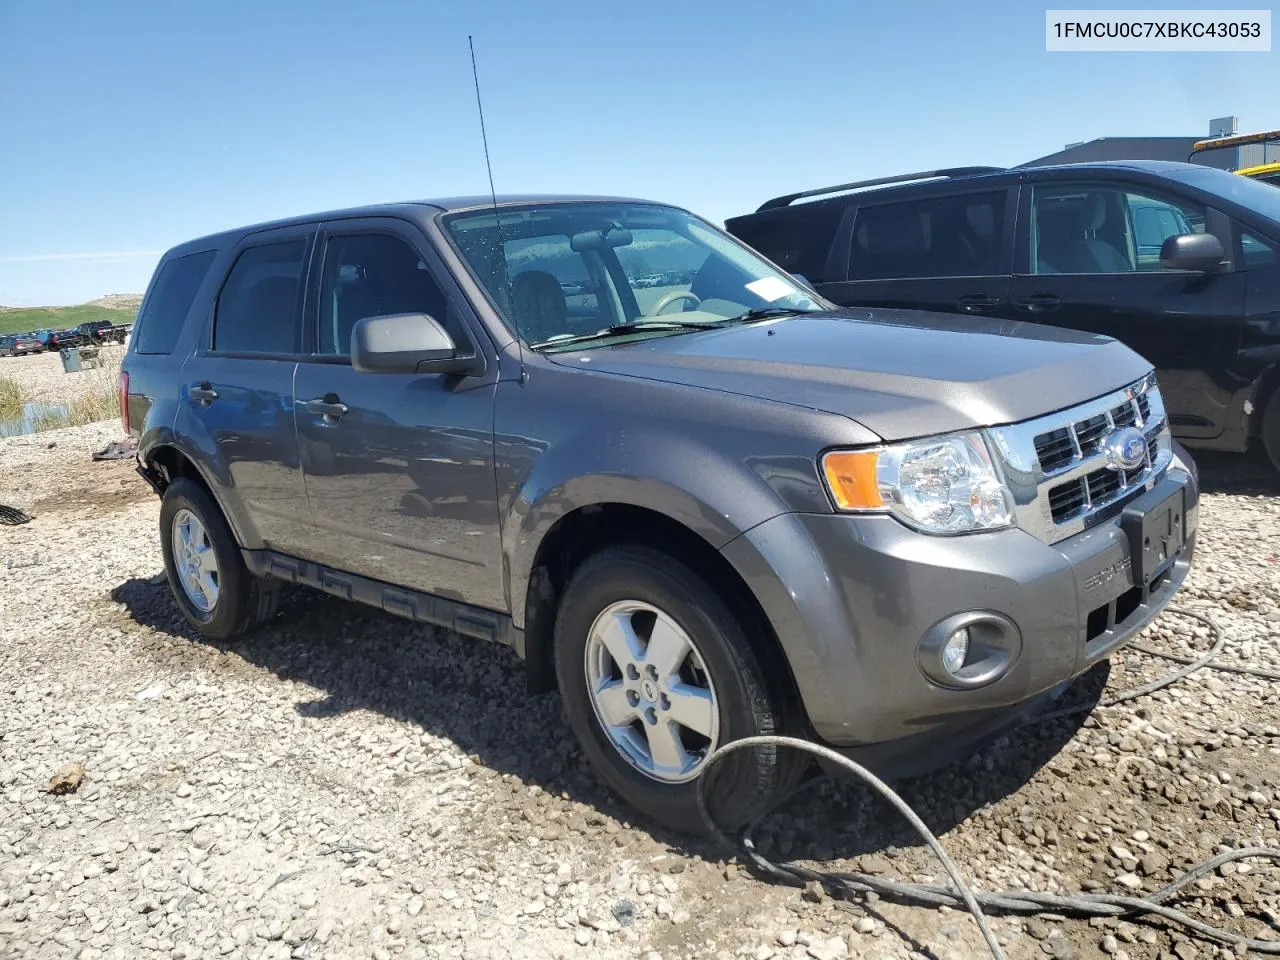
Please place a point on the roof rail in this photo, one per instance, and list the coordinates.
(1216, 143)
(787, 200)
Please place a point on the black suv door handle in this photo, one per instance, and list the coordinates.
(203, 394)
(977, 302)
(1038, 302)
(328, 406)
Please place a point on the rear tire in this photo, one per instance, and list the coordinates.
(718, 689)
(213, 588)
(1271, 429)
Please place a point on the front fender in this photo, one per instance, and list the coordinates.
(699, 488)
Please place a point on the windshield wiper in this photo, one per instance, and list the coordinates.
(764, 313)
(633, 326)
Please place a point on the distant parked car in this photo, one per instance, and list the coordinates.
(57, 339)
(18, 344)
(104, 331)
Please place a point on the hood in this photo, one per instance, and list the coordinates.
(900, 373)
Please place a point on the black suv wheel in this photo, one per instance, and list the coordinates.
(214, 589)
(656, 672)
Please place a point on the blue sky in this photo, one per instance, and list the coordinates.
(130, 126)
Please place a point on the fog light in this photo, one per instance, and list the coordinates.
(955, 651)
(969, 650)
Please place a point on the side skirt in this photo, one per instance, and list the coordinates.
(415, 605)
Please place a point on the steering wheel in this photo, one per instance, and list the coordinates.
(667, 299)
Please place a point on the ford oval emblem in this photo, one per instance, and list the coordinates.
(1125, 448)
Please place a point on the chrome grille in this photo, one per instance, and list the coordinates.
(1058, 469)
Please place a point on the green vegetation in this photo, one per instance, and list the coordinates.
(26, 319)
(10, 399)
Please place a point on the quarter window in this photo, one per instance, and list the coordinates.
(1086, 230)
(260, 303)
(372, 275)
(160, 323)
(956, 236)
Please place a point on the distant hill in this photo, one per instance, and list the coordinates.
(116, 307)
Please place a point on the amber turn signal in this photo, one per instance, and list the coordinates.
(851, 478)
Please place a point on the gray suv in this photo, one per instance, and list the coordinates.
(689, 492)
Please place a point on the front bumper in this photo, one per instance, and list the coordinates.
(850, 598)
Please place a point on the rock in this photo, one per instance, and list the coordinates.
(763, 952)
(828, 949)
(1185, 950)
(865, 925)
(813, 892)
(414, 906)
(66, 779)
(1130, 881)
(1109, 944)
(787, 938)
(1037, 929)
(1153, 864)
(624, 911)
(582, 937)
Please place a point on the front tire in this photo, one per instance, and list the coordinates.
(213, 588)
(656, 672)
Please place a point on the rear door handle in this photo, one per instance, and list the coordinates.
(203, 394)
(977, 302)
(328, 406)
(1038, 302)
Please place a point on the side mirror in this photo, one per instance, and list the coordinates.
(1201, 252)
(406, 343)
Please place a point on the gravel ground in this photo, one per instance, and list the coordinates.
(44, 381)
(344, 784)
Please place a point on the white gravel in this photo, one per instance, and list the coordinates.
(344, 784)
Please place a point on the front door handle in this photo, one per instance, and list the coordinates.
(1038, 302)
(328, 406)
(977, 302)
(203, 394)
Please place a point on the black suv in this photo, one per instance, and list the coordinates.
(1178, 261)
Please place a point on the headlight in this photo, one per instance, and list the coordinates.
(939, 485)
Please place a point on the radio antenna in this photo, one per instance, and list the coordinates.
(501, 262)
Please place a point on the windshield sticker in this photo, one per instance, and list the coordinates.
(771, 288)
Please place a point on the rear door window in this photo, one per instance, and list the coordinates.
(259, 306)
(952, 236)
(160, 323)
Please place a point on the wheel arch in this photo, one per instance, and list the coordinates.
(582, 532)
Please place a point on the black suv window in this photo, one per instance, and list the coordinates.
(955, 236)
(158, 326)
(372, 275)
(259, 305)
(1084, 229)
(798, 239)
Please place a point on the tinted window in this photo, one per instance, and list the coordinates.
(372, 275)
(1076, 229)
(798, 240)
(160, 323)
(956, 236)
(258, 308)
(1255, 252)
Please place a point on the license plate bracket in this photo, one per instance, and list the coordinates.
(1156, 524)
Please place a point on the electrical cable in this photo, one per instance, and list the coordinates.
(960, 893)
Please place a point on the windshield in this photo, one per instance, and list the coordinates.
(569, 270)
(1261, 197)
